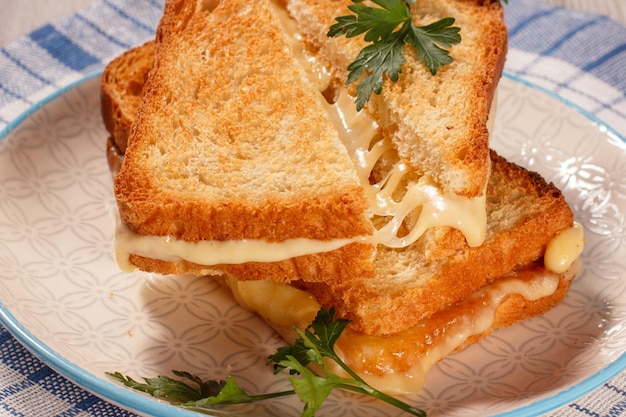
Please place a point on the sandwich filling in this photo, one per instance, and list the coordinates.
(216, 252)
(399, 363)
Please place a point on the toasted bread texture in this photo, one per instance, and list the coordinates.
(437, 122)
(407, 302)
(230, 141)
(121, 91)
(523, 214)
(450, 117)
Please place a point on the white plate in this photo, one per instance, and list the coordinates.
(63, 296)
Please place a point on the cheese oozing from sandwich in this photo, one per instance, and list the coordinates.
(564, 248)
(216, 252)
(391, 198)
(399, 363)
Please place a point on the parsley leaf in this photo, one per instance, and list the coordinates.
(388, 28)
(317, 343)
(231, 393)
(210, 392)
(376, 23)
(283, 357)
(312, 389)
(172, 389)
(313, 346)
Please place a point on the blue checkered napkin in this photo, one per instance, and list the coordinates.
(64, 51)
(29, 388)
(579, 56)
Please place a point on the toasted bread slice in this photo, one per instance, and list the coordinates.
(452, 119)
(140, 217)
(437, 122)
(226, 115)
(122, 89)
(412, 309)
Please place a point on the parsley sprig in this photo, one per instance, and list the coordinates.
(313, 346)
(388, 28)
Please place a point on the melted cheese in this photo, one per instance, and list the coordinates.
(398, 363)
(357, 130)
(564, 248)
(215, 252)
(359, 133)
(288, 306)
(314, 70)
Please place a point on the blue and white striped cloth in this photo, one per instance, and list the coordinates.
(579, 56)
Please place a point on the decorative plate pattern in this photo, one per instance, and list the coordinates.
(64, 297)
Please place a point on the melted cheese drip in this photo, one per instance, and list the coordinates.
(357, 130)
(288, 307)
(564, 248)
(314, 70)
(397, 363)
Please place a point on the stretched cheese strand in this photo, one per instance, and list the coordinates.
(357, 131)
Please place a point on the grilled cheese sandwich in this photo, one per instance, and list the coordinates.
(406, 258)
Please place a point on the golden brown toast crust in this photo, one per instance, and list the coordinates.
(323, 201)
(523, 214)
(438, 123)
(132, 67)
(121, 90)
(347, 263)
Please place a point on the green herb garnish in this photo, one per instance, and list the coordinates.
(388, 28)
(312, 346)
